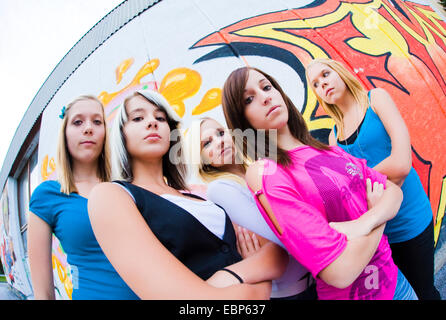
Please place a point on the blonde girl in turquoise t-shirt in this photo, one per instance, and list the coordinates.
(60, 207)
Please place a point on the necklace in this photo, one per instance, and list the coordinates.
(361, 152)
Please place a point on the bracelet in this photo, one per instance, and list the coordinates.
(234, 274)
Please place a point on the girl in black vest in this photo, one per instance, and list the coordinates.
(162, 242)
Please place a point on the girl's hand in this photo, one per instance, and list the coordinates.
(373, 193)
(363, 225)
(247, 244)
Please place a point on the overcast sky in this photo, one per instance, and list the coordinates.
(34, 36)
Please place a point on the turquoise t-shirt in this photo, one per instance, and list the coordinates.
(93, 276)
(374, 145)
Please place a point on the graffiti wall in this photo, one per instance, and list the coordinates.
(7, 246)
(186, 49)
(13, 257)
(396, 45)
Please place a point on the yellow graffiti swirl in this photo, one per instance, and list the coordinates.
(44, 169)
(178, 85)
(122, 68)
(63, 276)
(441, 211)
(146, 69)
(211, 99)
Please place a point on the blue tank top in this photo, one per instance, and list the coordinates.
(374, 145)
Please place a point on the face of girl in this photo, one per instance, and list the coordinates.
(85, 131)
(146, 132)
(264, 105)
(326, 83)
(217, 148)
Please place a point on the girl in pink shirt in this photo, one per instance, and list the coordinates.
(314, 197)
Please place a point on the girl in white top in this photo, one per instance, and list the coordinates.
(143, 143)
(215, 159)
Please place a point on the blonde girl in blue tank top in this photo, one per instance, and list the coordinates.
(369, 126)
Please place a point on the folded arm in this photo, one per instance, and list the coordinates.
(398, 164)
(355, 255)
(40, 258)
(130, 245)
(268, 263)
(385, 209)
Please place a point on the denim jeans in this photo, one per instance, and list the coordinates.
(415, 259)
(404, 290)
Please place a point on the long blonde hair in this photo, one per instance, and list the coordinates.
(206, 172)
(353, 85)
(63, 156)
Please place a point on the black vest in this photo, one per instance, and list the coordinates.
(183, 235)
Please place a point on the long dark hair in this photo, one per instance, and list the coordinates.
(234, 111)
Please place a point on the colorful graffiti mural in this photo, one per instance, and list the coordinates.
(14, 264)
(397, 45)
(176, 86)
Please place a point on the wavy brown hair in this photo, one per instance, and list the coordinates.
(234, 111)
